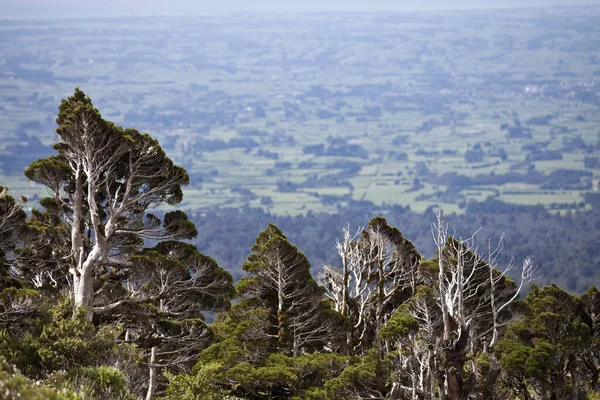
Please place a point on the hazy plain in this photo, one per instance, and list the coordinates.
(297, 112)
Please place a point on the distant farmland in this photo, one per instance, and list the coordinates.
(293, 114)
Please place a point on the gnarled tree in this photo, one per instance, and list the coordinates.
(379, 273)
(102, 184)
(477, 301)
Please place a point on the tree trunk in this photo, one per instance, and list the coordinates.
(344, 311)
(441, 287)
(281, 317)
(295, 350)
(575, 380)
(432, 367)
(442, 383)
(414, 382)
(486, 388)
(455, 360)
(379, 311)
(77, 248)
(83, 280)
(559, 387)
(76, 239)
(454, 385)
(474, 364)
(152, 375)
(83, 274)
(83, 286)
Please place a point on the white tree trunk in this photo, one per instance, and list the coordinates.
(295, 347)
(76, 239)
(440, 242)
(83, 280)
(281, 331)
(152, 375)
(83, 287)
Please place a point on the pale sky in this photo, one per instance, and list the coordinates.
(35, 9)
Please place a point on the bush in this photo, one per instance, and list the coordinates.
(14, 386)
(91, 383)
(200, 385)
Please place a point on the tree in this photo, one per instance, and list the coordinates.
(282, 283)
(349, 290)
(16, 298)
(379, 273)
(12, 219)
(393, 262)
(477, 301)
(275, 341)
(89, 241)
(414, 334)
(590, 314)
(102, 183)
(544, 355)
(161, 304)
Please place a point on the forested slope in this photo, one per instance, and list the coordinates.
(564, 247)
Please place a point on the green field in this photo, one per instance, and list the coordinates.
(398, 102)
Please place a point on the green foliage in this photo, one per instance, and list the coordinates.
(551, 337)
(271, 380)
(178, 224)
(14, 295)
(52, 171)
(365, 376)
(58, 340)
(276, 376)
(14, 386)
(201, 385)
(243, 363)
(593, 396)
(239, 336)
(66, 341)
(400, 324)
(91, 383)
(513, 357)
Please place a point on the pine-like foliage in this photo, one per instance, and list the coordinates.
(281, 282)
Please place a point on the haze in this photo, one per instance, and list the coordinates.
(49, 9)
